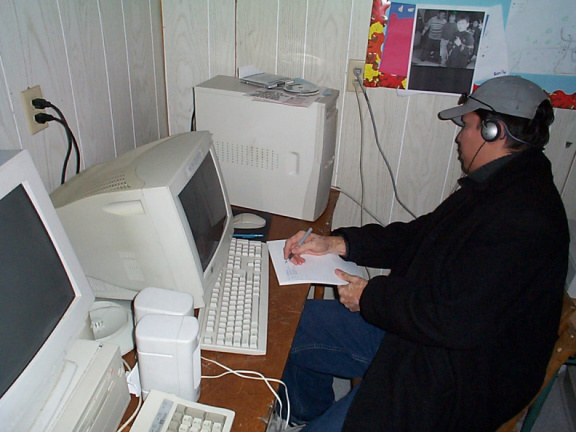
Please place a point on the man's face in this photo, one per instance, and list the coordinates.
(462, 25)
(469, 141)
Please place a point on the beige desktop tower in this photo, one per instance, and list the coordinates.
(275, 158)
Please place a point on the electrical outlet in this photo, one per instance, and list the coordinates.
(351, 77)
(27, 97)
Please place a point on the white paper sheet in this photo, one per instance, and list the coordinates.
(316, 269)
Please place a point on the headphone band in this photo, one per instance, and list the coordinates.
(491, 130)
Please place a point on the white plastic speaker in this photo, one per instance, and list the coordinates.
(169, 355)
(162, 302)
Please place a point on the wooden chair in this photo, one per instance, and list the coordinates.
(564, 349)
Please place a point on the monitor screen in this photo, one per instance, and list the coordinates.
(205, 210)
(36, 291)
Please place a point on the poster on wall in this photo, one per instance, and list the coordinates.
(454, 46)
(445, 45)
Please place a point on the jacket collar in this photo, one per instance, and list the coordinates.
(503, 171)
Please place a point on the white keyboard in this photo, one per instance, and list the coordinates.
(164, 412)
(235, 318)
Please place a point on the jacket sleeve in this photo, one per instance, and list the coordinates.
(376, 246)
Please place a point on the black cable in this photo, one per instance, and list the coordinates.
(40, 103)
(43, 118)
(43, 103)
(193, 121)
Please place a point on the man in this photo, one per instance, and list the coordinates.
(458, 335)
(461, 47)
(431, 48)
(447, 34)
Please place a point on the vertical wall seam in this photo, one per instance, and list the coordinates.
(277, 47)
(129, 75)
(305, 40)
(74, 103)
(114, 144)
(209, 39)
(12, 109)
(342, 107)
(154, 69)
(397, 173)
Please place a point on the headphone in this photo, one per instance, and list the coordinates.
(492, 129)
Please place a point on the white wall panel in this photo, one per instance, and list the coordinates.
(257, 34)
(91, 121)
(157, 49)
(9, 133)
(33, 52)
(141, 59)
(117, 71)
(292, 34)
(199, 42)
(100, 62)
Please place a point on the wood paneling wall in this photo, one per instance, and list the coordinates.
(123, 73)
(313, 40)
(101, 62)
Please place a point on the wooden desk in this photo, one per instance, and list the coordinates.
(251, 399)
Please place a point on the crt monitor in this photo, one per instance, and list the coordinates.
(157, 216)
(44, 298)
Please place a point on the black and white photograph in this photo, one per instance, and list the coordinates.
(445, 50)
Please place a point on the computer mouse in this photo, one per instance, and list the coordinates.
(248, 221)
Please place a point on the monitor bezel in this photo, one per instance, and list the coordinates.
(177, 185)
(116, 221)
(22, 404)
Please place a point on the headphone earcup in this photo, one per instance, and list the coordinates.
(491, 130)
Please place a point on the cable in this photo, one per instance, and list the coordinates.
(137, 409)
(257, 376)
(42, 118)
(396, 196)
(343, 192)
(133, 416)
(43, 103)
(361, 165)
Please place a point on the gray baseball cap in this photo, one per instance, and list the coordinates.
(507, 94)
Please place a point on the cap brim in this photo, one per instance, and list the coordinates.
(455, 113)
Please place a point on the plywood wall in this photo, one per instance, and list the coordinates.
(313, 40)
(100, 61)
(123, 72)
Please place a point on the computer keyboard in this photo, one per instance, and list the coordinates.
(164, 412)
(235, 318)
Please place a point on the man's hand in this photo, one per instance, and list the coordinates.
(314, 245)
(350, 294)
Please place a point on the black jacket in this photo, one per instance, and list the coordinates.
(471, 306)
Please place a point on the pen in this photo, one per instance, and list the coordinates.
(248, 236)
(300, 243)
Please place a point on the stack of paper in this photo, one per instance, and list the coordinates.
(317, 269)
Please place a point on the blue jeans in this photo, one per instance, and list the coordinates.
(330, 342)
